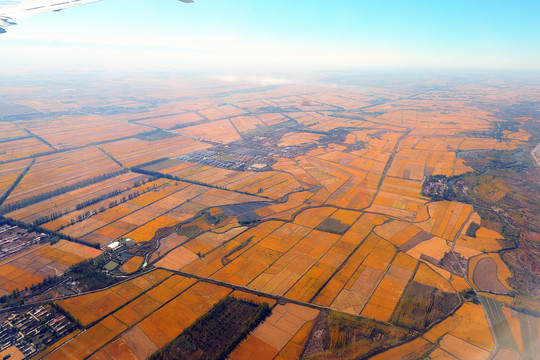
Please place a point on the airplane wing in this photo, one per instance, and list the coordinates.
(14, 9)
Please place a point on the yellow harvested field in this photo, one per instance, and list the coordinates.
(434, 248)
(427, 276)
(89, 341)
(473, 328)
(69, 131)
(148, 230)
(382, 303)
(447, 219)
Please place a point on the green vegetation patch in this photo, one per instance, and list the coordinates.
(90, 274)
(353, 337)
(472, 229)
(215, 334)
(189, 231)
(421, 305)
(214, 220)
(333, 225)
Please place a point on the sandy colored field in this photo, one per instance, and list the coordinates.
(246, 123)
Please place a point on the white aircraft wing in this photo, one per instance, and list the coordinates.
(14, 9)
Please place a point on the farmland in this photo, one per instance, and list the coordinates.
(294, 221)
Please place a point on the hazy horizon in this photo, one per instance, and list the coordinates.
(259, 37)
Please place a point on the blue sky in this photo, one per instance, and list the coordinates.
(256, 35)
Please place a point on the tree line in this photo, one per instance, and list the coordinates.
(59, 191)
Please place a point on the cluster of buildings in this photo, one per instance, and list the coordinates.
(14, 239)
(27, 332)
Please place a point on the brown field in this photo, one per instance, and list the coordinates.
(489, 280)
(485, 276)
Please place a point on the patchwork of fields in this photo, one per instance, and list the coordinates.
(329, 205)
